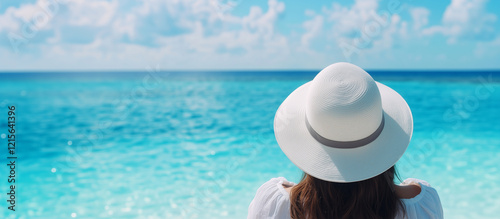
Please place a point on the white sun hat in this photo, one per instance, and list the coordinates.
(343, 126)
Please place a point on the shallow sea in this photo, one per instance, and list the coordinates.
(199, 144)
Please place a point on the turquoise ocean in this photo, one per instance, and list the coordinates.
(199, 144)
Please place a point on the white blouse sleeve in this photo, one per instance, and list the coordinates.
(271, 200)
(425, 205)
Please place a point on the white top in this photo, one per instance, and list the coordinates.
(273, 201)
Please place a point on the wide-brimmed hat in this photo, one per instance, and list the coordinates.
(343, 126)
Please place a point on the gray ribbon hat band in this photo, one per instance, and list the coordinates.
(345, 144)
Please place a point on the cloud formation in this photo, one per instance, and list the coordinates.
(210, 34)
(358, 30)
(466, 19)
(167, 30)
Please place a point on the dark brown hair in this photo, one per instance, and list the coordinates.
(314, 198)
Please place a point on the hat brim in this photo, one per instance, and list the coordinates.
(340, 164)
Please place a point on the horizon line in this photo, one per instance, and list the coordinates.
(236, 70)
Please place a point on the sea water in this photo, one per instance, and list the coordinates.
(199, 144)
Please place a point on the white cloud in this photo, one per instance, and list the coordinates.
(361, 29)
(420, 17)
(112, 34)
(171, 31)
(91, 12)
(12, 17)
(465, 19)
(253, 32)
(347, 21)
(56, 21)
(312, 28)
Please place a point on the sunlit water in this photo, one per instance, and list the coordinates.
(131, 146)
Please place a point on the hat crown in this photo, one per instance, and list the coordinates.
(344, 103)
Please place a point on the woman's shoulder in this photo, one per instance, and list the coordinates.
(426, 191)
(271, 199)
(425, 204)
(275, 186)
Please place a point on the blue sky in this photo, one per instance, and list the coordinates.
(81, 35)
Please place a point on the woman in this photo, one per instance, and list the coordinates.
(346, 132)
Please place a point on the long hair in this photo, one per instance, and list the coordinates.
(314, 198)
